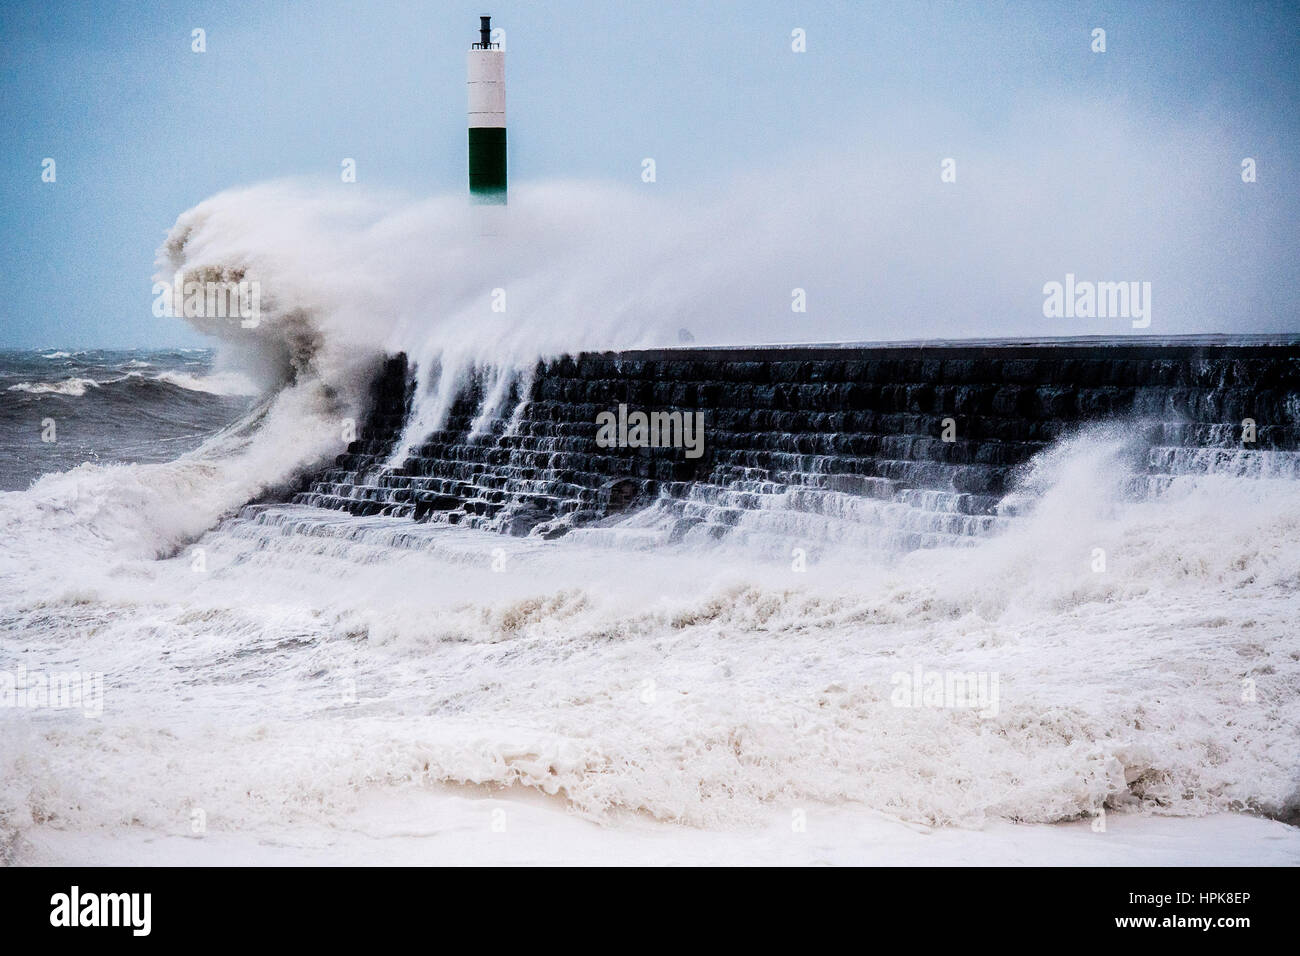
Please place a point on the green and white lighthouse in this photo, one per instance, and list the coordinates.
(486, 70)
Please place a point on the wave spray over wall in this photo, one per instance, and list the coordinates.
(290, 622)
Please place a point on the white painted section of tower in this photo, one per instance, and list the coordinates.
(486, 70)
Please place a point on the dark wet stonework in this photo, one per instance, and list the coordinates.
(816, 425)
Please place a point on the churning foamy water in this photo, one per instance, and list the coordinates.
(278, 668)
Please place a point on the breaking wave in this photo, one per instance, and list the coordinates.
(269, 666)
(75, 387)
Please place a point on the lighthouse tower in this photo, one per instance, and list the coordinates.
(486, 70)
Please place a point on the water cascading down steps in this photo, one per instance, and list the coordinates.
(898, 446)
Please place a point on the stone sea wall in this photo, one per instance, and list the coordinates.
(913, 444)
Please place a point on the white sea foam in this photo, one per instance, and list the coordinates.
(72, 387)
(218, 383)
(294, 674)
(266, 677)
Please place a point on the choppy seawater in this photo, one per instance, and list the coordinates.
(59, 408)
(284, 669)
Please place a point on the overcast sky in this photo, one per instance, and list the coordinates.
(141, 128)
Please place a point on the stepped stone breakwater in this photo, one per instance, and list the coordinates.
(899, 446)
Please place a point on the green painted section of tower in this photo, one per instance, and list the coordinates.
(487, 164)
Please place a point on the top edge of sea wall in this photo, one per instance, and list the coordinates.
(1131, 346)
